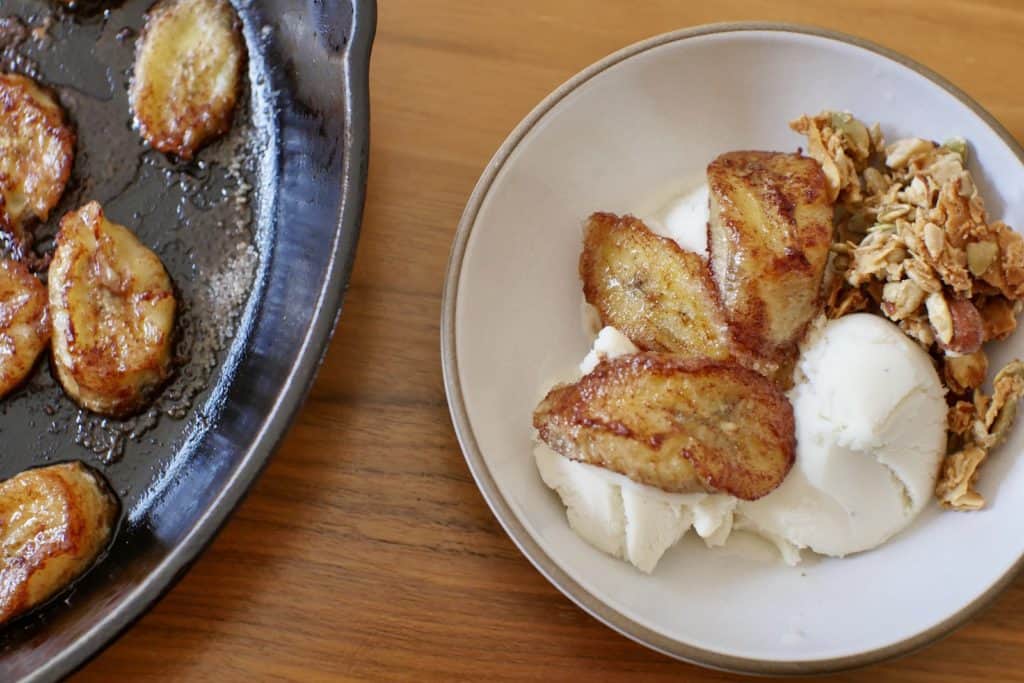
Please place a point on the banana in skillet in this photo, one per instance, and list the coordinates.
(37, 147)
(24, 323)
(188, 71)
(54, 522)
(112, 309)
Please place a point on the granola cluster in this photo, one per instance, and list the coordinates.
(915, 244)
(975, 428)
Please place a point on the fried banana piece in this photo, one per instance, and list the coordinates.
(37, 149)
(658, 294)
(680, 424)
(188, 70)
(24, 323)
(113, 311)
(769, 234)
(54, 522)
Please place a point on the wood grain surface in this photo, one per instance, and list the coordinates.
(365, 551)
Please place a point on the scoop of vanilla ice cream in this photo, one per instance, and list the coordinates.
(683, 218)
(631, 521)
(871, 431)
(610, 343)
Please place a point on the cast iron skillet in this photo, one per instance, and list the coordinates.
(307, 93)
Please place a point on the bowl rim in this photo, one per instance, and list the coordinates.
(485, 482)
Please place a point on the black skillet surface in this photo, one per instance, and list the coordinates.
(258, 235)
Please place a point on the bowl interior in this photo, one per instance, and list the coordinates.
(627, 133)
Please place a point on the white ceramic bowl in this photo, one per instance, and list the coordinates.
(610, 137)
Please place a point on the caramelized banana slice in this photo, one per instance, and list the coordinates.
(657, 294)
(24, 323)
(37, 149)
(187, 74)
(113, 314)
(769, 234)
(682, 425)
(54, 521)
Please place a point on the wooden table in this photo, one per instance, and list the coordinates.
(365, 550)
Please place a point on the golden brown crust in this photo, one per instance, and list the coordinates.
(188, 72)
(768, 238)
(37, 148)
(24, 323)
(54, 522)
(113, 311)
(680, 424)
(657, 294)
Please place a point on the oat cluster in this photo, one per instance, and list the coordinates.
(915, 244)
